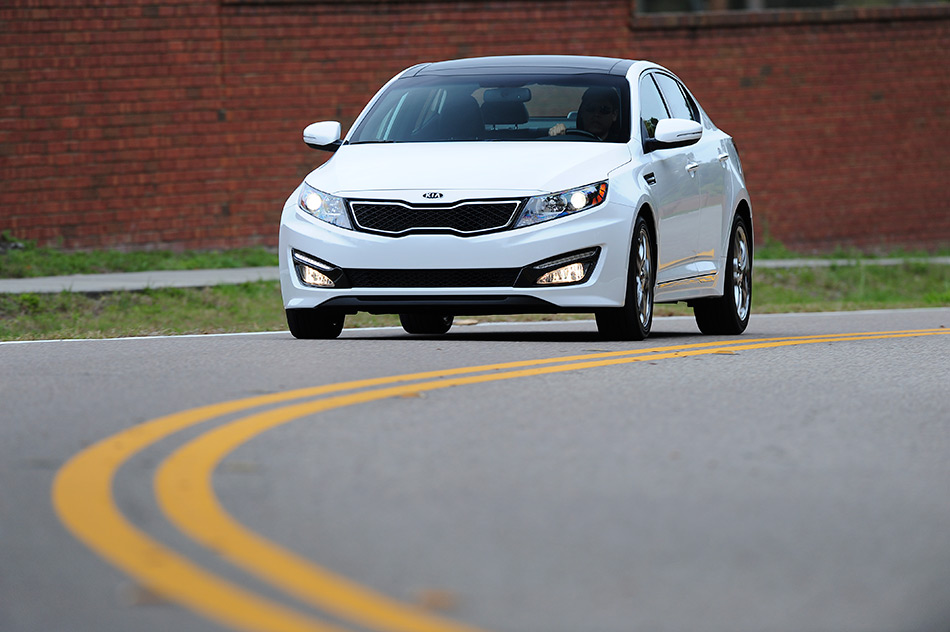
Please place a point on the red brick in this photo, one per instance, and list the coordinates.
(145, 117)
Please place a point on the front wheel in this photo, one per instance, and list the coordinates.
(634, 320)
(729, 314)
(433, 324)
(314, 323)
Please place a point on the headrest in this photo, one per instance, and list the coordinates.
(461, 119)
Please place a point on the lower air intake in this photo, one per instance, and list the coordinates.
(492, 277)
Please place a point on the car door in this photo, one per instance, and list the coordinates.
(674, 188)
(709, 172)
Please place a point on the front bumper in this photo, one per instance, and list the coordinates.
(607, 227)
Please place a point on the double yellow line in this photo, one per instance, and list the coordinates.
(83, 497)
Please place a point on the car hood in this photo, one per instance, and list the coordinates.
(462, 170)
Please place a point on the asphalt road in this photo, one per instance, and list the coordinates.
(795, 478)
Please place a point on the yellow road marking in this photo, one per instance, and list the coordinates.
(82, 496)
(185, 492)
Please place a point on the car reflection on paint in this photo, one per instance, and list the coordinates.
(524, 184)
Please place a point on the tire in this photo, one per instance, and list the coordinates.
(433, 324)
(314, 323)
(729, 314)
(634, 320)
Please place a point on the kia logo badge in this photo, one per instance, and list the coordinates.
(433, 195)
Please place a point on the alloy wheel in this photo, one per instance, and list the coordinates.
(741, 273)
(644, 277)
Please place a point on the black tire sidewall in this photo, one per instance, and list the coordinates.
(426, 323)
(623, 323)
(720, 316)
(314, 324)
(729, 293)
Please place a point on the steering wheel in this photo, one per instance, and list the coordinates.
(582, 132)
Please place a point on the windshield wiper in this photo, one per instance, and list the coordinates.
(371, 142)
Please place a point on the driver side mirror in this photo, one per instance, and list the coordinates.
(324, 135)
(671, 133)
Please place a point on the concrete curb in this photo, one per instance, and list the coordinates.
(131, 281)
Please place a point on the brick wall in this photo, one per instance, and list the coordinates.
(841, 117)
(110, 124)
(177, 124)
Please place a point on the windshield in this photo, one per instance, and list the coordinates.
(593, 108)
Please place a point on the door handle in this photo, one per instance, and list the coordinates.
(692, 167)
(723, 157)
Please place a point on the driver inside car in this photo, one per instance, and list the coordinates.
(597, 114)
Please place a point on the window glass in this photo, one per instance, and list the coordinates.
(517, 107)
(693, 106)
(652, 109)
(675, 98)
(698, 6)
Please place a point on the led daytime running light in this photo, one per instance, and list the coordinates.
(299, 257)
(560, 262)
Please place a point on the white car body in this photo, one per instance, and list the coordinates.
(689, 197)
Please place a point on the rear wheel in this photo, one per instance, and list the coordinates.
(634, 320)
(729, 314)
(426, 323)
(314, 323)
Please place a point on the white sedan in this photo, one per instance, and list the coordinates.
(523, 184)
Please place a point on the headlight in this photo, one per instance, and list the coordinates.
(553, 205)
(323, 206)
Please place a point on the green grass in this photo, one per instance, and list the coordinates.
(247, 307)
(257, 306)
(19, 260)
(850, 287)
(772, 249)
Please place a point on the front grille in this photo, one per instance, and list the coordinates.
(397, 218)
(490, 277)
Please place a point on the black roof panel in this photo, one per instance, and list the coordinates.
(527, 64)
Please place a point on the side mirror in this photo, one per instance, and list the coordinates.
(324, 135)
(672, 133)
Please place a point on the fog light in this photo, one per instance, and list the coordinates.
(316, 273)
(565, 269)
(310, 276)
(568, 274)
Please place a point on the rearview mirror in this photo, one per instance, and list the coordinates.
(324, 135)
(516, 95)
(672, 133)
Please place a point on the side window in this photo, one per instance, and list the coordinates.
(693, 107)
(681, 106)
(652, 109)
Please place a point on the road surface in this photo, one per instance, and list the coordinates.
(513, 478)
